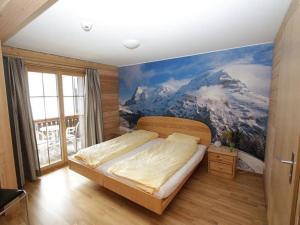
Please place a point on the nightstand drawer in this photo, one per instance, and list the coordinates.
(221, 167)
(220, 158)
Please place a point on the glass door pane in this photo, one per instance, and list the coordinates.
(45, 109)
(74, 112)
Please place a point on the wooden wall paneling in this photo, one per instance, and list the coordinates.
(39, 58)
(15, 14)
(110, 103)
(7, 165)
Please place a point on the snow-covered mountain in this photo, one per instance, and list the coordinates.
(214, 98)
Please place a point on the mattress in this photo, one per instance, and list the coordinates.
(172, 183)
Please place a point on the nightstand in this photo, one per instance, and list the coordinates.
(222, 161)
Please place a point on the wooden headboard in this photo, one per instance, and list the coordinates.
(165, 126)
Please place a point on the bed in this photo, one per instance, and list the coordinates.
(156, 202)
(172, 183)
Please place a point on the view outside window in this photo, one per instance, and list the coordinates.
(73, 98)
(45, 109)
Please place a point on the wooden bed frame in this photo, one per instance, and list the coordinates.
(164, 126)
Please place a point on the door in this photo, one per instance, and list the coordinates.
(44, 100)
(285, 169)
(58, 114)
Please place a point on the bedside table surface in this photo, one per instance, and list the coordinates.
(222, 150)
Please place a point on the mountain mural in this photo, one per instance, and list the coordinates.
(228, 95)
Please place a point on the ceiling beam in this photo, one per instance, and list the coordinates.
(15, 14)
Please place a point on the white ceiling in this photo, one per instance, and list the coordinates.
(165, 28)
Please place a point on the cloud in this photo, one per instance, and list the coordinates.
(133, 75)
(257, 77)
(174, 85)
(212, 93)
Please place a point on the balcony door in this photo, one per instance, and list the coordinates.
(73, 112)
(57, 108)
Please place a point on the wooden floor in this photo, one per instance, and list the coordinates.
(64, 197)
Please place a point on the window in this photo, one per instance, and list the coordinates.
(74, 112)
(58, 113)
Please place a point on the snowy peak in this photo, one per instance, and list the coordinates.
(163, 90)
(214, 78)
(140, 94)
(149, 95)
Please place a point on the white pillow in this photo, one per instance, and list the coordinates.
(183, 138)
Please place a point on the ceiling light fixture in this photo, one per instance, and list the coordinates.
(131, 43)
(86, 25)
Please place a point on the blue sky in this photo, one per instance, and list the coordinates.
(155, 73)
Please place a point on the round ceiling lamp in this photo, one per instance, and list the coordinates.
(131, 43)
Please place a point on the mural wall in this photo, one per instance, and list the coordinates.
(227, 90)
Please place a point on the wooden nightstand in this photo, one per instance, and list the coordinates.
(222, 161)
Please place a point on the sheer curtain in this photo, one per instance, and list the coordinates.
(21, 120)
(92, 108)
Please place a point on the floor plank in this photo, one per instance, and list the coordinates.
(66, 198)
